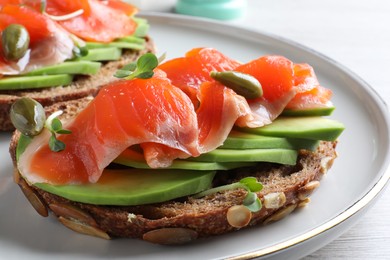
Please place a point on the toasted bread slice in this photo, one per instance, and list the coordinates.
(286, 188)
(81, 87)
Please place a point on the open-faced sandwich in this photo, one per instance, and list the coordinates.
(57, 50)
(192, 147)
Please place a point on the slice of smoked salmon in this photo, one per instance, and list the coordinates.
(124, 113)
(189, 72)
(128, 9)
(275, 74)
(64, 7)
(158, 155)
(38, 26)
(219, 109)
(49, 44)
(310, 93)
(103, 23)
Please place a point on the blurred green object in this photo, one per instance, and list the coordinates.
(216, 9)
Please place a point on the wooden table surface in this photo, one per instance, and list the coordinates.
(355, 33)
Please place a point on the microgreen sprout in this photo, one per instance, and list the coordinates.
(80, 48)
(43, 6)
(54, 125)
(250, 184)
(142, 68)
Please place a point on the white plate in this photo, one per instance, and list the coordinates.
(346, 192)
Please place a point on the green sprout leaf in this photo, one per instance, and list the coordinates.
(147, 62)
(55, 144)
(251, 201)
(142, 69)
(130, 67)
(252, 184)
(54, 125)
(145, 75)
(122, 73)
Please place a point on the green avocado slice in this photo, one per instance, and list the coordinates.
(241, 140)
(282, 156)
(30, 82)
(320, 111)
(311, 127)
(135, 187)
(102, 54)
(117, 44)
(69, 67)
(184, 164)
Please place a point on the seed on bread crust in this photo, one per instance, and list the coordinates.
(326, 163)
(303, 203)
(281, 213)
(274, 200)
(71, 212)
(170, 236)
(34, 199)
(308, 189)
(238, 216)
(83, 228)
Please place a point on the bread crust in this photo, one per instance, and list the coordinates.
(81, 87)
(203, 217)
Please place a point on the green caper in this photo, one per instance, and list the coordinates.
(243, 84)
(15, 41)
(28, 116)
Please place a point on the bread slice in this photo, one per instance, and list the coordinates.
(81, 87)
(286, 188)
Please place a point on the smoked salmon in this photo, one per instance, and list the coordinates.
(49, 43)
(100, 21)
(123, 114)
(275, 73)
(189, 72)
(50, 29)
(310, 94)
(179, 112)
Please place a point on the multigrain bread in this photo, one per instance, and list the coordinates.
(83, 86)
(286, 188)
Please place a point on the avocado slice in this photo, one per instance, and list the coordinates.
(135, 186)
(314, 128)
(319, 111)
(241, 140)
(116, 44)
(142, 27)
(102, 54)
(28, 82)
(69, 67)
(133, 157)
(184, 164)
(282, 156)
(131, 38)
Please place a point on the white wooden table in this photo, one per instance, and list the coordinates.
(355, 33)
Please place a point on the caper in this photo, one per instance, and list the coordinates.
(15, 41)
(28, 116)
(243, 84)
